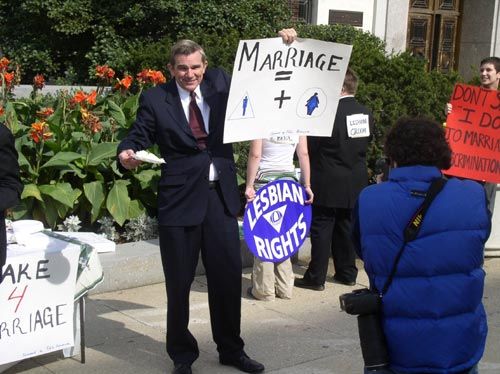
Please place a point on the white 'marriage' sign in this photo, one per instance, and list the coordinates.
(36, 300)
(280, 88)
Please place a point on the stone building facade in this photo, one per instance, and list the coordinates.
(449, 34)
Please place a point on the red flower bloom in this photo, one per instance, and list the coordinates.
(2, 111)
(79, 97)
(125, 83)
(82, 98)
(38, 81)
(90, 99)
(142, 77)
(4, 64)
(151, 76)
(8, 78)
(104, 72)
(45, 112)
(157, 77)
(39, 131)
(91, 121)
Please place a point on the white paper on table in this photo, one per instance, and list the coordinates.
(99, 242)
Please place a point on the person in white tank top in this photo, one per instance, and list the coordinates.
(271, 159)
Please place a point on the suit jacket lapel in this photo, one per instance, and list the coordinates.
(174, 107)
(207, 90)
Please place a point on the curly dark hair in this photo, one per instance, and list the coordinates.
(418, 141)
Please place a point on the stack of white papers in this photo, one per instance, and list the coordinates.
(100, 243)
(146, 156)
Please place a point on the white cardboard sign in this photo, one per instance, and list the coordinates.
(36, 301)
(279, 88)
(358, 125)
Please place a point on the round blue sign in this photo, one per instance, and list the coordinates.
(277, 221)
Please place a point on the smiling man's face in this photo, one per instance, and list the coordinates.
(489, 76)
(188, 70)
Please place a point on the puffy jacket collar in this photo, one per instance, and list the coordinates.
(415, 173)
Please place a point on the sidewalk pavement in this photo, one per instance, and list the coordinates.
(125, 332)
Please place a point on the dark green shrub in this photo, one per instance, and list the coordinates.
(391, 85)
(67, 38)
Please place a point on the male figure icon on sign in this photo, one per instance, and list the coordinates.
(243, 109)
(312, 103)
(245, 103)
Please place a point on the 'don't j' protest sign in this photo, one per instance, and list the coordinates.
(277, 221)
(278, 88)
(473, 131)
(37, 302)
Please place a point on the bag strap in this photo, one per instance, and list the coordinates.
(413, 227)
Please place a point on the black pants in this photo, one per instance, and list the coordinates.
(331, 233)
(218, 238)
(491, 190)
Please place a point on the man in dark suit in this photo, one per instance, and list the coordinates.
(198, 200)
(338, 174)
(10, 184)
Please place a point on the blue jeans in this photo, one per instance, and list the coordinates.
(473, 370)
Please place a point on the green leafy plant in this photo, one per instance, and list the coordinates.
(70, 169)
(108, 229)
(141, 228)
(67, 153)
(70, 224)
(65, 39)
(390, 84)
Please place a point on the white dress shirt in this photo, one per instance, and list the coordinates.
(205, 112)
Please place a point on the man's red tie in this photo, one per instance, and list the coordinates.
(196, 122)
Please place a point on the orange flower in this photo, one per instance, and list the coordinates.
(4, 63)
(125, 83)
(142, 77)
(2, 111)
(96, 127)
(158, 77)
(38, 81)
(151, 76)
(45, 112)
(8, 78)
(82, 98)
(104, 72)
(39, 131)
(90, 99)
(91, 121)
(85, 113)
(79, 97)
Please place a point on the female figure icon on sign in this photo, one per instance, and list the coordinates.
(312, 103)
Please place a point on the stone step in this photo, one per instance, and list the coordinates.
(139, 264)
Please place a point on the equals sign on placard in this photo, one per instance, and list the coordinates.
(283, 75)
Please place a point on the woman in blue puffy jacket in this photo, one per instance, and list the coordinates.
(432, 314)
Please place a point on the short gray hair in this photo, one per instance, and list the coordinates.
(186, 47)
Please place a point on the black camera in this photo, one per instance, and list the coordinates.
(367, 305)
(362, 301)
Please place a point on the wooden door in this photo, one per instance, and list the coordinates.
(432, 32)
